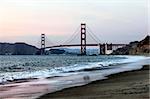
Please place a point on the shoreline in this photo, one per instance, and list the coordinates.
(125, 85)
(77, 86)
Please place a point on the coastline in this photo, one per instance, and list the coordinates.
(66, 87)
(126, 85)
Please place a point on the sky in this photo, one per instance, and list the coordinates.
(112, 21)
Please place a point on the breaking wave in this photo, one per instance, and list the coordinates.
(111, 65)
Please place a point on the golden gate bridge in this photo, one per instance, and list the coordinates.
(104, 48)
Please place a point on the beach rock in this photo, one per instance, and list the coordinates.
(135, 48)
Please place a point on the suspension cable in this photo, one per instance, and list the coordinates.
(48, 40)
(93, 35)
(72, 37)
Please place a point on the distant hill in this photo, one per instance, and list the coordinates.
(57, 51)
(17, 49)
(135, 48)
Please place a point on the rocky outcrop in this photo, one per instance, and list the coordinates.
(135, 48)
(17, 49)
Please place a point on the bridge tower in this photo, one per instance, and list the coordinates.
(105, 48)
(102, 48)
(83, 39)
(42, 44)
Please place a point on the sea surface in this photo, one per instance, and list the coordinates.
(39, 75)
(23, 67)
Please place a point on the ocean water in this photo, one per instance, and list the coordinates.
(23, 67)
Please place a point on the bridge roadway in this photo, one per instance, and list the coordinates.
(75, 45)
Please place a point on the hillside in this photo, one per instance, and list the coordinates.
(135, 48)
(17, 49)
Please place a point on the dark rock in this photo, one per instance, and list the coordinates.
(135, 48)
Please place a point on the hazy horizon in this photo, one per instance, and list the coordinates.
(116, 21)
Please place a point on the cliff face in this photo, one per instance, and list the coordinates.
(17, 49)
(143, 46)
(135, 48)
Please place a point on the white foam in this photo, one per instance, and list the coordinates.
(69, 79)
(65, 71)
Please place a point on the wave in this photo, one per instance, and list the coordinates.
(97, 65)
(71, 70)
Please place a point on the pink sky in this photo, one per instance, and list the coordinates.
(25, 20)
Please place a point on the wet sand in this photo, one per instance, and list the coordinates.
(126, 85)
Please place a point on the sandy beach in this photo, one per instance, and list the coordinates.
(132, 84)
(126, 85)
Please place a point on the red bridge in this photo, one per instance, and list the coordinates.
(104, 47)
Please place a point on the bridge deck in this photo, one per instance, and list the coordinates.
(76, 45)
